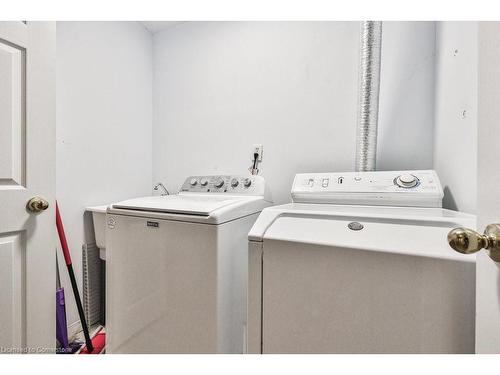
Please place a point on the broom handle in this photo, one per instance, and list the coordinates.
(74, 286)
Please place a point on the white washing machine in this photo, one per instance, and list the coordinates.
(177, 267)
(359, 263)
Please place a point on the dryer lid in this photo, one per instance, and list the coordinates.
(421, 239)
(199, 205)
(401, 230)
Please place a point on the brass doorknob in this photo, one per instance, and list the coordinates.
(468, 241)
(37, 204)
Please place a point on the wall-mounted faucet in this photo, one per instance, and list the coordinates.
(160, 186)
(257, 158)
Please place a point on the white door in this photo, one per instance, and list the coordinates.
(488, 274)
(488, 187)
(27, 170)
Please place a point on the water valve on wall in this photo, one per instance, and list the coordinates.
(257, 158)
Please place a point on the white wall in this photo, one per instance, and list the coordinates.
(406, 114)
(219, 87)
(455, 151)
(104, 117)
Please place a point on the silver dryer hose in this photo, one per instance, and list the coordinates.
(369, 86)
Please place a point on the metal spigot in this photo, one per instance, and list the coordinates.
(159, 186)
(254, 170)
(468, 241)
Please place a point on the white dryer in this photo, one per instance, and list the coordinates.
(359, 263)
(177, 267)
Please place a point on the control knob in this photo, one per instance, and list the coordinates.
(203, 182)
(234, 182)
(247, 182)
(407, 181)
(193, 182)
(219, 183)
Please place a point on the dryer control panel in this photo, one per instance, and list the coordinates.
(228, 184)
(388, 188)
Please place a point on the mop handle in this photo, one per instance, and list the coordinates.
(74, 286)
(62, 237)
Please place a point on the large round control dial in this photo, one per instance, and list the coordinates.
(234, 182)
(193, 182)
(218, 183)
(247, 182)
(407, 181)
(203, 182)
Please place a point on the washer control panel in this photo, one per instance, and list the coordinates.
(392, 188)
(229, 184)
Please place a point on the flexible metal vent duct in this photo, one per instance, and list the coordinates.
(369, 84)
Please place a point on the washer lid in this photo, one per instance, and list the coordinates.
(199, 205)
